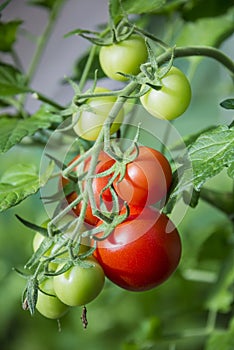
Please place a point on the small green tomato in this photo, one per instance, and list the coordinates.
(172, 99)
(91, 121)
(48, 304)
(80, 285)
(125, 56)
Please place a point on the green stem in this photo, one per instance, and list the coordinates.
(43, 98)
(198, 51)
(89, 62)
(43, 40)
(86, 70)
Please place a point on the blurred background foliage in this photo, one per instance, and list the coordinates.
(193, 309)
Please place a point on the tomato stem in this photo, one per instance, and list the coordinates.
(190, 51)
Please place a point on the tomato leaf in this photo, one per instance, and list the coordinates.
(209, 154)
(19, 182)
(12, 81)
(8, 33)
(13, 129)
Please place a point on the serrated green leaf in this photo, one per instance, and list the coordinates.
(13, 130)
(222, 339)
(12, 81)
(228, 104)
(19, 182)
(8, 33)
(209, 155)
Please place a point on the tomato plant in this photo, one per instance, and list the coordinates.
(142, 252)
(147, 179)
(48, 303)
(91, 119)
(79, 285)
(119, 171)
(125, 57)
(171, 99)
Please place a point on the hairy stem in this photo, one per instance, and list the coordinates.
(43, 40)
(206, 51)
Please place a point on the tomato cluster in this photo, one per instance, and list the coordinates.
(76, 286)
(144, 249)
(168, 101)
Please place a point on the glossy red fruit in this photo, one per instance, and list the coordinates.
(147, 178)
(142, 252)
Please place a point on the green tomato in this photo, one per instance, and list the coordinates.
(125, 56)
(172, 99)
(49, 305)
(79, 285)
(91, 121)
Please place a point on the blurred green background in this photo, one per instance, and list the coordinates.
(172, 316)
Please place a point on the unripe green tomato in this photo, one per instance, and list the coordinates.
(49, 305)
(172, 99)
(125, 56)
(91, 121)
(79, 285)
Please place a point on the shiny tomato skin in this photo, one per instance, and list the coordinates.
(91, 121)
(172, 100)
(80, 285)
(147, 178)
(142, 252)
(125, 56)
(48, 304)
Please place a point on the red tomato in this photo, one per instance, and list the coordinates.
(104, 163)
(142, 252)
(147, 178)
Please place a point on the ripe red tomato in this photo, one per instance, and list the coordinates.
(142, 252)
(104, 163)
(147, 178)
